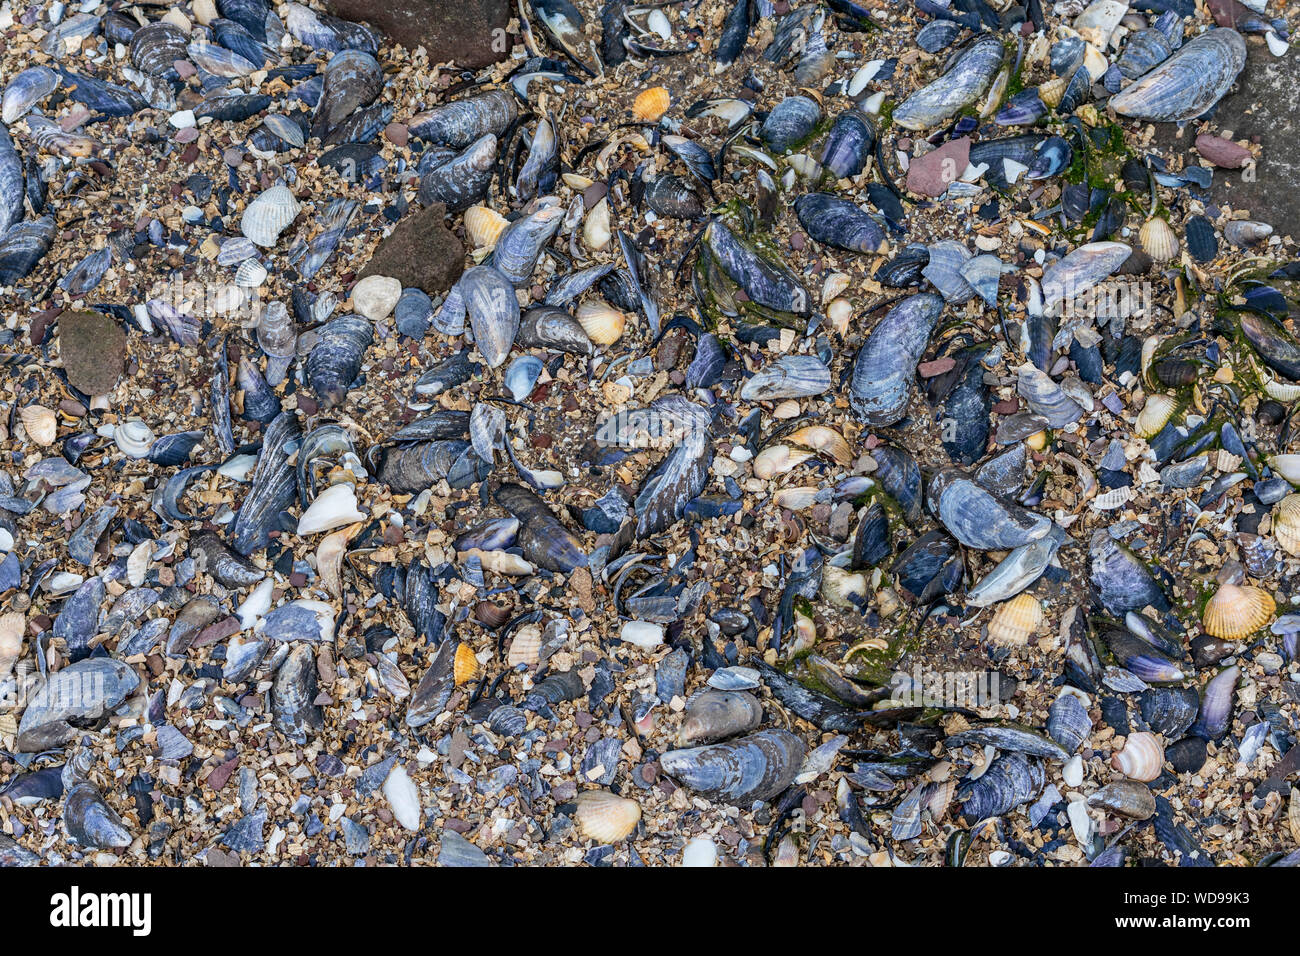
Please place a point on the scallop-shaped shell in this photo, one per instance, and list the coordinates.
(606, 817)
(1236, 611)
(334, 507)
(483, 226)
(40, 423)
(1142, 758)
(603, 323)
(1155, 414)
(525, 647)
(157, 46)
(464, 665)
(269, 215)
(287, 129)
(651, 104)
(1189, 82)
(250, 274)
(1286, 524)
(1016, 621)
(27, 89)
(134, 438)
(1159, 240)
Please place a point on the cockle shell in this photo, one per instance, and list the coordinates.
(651, 104)
(269, 214)
(40, 423)
(1237, 610)
(1155, 414)
(1286, 524)
(606, 817)
(334, 507)
(1016, 621)
(483, 226)
(464, 666)
(1142, 757)
(1159, 240)
(603, 323)
(777, 460)
(525, 647)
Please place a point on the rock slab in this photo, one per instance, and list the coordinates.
(469, 32)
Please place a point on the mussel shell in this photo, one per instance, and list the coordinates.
(548, 327)
(92, 822)
(672, 197)
(791, 122)
(1187, 84)
(977, 518)
(717, 714)
(1169, 711)
(739, 772)
(335, 360)
(838, 222)
(293, 694)
(965, 81)
(493, 311)
(790, 376)
(767, 283)
(459, 180)
(937, 35)
(1068, 722)
(157, 46)
(23, 246)
(849, 145)
(900, 478)
(886, 364)
(1011, 780)
(905, 268)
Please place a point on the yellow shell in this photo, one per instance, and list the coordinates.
(1237, 611)
(1286, 524)
(1143, 757)
(1155, 414)
(651, 104)
(606, 817)
(465, 665)
(825, 440)
(41, 424)
(1158, 240)
(1016, 620)
(525, 647)
(1293, 814)
(483, 226)
(602, 323)
(1052, 91)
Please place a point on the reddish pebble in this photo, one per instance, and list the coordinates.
(931, 174)
(937, 367)
(397, 134)
(1224, 153)
(191, 154)
(1009, 407)
(797, 241)
(187, 135)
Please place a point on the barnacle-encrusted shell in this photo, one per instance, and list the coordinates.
(1237, 611)
(606, 817)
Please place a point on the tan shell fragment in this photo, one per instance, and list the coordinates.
(40, 423)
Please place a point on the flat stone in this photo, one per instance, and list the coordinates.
(933, 173)
(1260, 108)
(420, 252)
(472, 33)
(93, 349)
